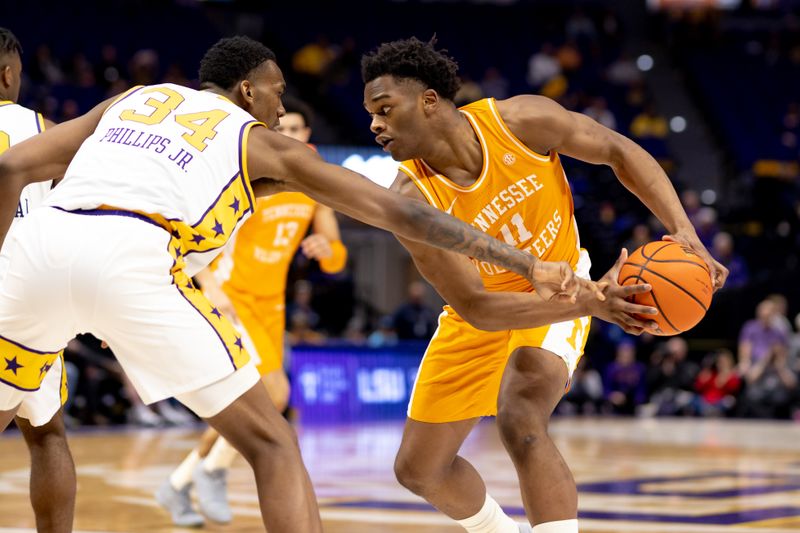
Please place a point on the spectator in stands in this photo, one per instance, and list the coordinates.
(598, 110)
(469, 91)
(580, 27)
(569, 57)
(671, 379)
(585, 394)
(625, 380)
(781, 318)
(109, 69)
(494, 84)
(723, 251)
(543, 66)
(771, 386)
(623, 71)
(640, 235)
(415, 320)
(760, 337)
(718, 385)
(690, 200)
(46, 68)
(143, 67)
(794, 346)
(300, 331)
(649, 124)
(706, 225)
(300, 306)
(385, 335)
(313, 58)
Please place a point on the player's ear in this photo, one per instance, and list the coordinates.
(247, 91)
(430, 100)
(5, 76)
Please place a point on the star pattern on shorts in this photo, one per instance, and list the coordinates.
(217, 228)
(215, 311)
(239, 343)
(235, 205)
(45, 368)
(12, 364)
(197, 238)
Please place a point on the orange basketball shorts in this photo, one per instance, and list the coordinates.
(460, 373)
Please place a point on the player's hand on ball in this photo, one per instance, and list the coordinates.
(316, 246)
(556, 281)
(616, 309)
(718, 272)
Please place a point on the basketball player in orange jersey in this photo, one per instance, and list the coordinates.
(248, 285)
(162, 175)
(40, 417)
(495, 165)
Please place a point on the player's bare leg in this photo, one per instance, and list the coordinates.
(53, 483)
(256, 429)
(210, 477)
(532, 385)
(428, 465)
(6, 417)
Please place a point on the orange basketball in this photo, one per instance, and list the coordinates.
(681, 282)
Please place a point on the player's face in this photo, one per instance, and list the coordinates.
(11, 73)
(294, 125)
(396, 108)
(267, 86)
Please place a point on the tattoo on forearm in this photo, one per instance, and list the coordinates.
(448, 232)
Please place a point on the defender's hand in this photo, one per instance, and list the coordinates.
(718, 272)
(316, 246)
(616, 308)
(556, 281)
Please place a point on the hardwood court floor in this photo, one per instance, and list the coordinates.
(656, 476)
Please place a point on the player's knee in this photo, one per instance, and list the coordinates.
(411, 474)
(277, 442)
(522, 426)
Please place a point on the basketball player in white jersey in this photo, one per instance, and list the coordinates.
(161, 174)
(39, 418)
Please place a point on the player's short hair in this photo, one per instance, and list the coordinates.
(231, 60)
(413, 59)
(9, 43)
(295, 105)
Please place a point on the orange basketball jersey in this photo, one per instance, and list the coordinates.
(258, 259)
(520, 197)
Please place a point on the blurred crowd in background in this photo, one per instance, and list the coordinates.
(739, 70)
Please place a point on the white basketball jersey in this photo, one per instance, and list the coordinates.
(173, 154)
(18, 123)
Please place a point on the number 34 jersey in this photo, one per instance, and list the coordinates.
(171, 153)
(520, 197)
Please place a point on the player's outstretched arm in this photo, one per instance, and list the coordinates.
(271, 155)
(544, 125)
(40, 158)
(457, 281)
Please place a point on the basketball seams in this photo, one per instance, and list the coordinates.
(667, 244)
(692, 296)
(655, 302)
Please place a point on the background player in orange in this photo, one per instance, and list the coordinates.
(40, 418)
(495, 165)
(248, 284)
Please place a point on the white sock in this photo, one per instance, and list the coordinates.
(182, 475)
(220, 457)
(490, 519)
(560, 526)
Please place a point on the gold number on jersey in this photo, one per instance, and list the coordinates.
(578, 332)
(285, 233)
(522, 232)
(202, 125)
(5, 141)
(161, 108)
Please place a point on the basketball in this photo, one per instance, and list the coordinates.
(681, 282)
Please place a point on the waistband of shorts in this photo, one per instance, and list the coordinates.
(155, 220)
